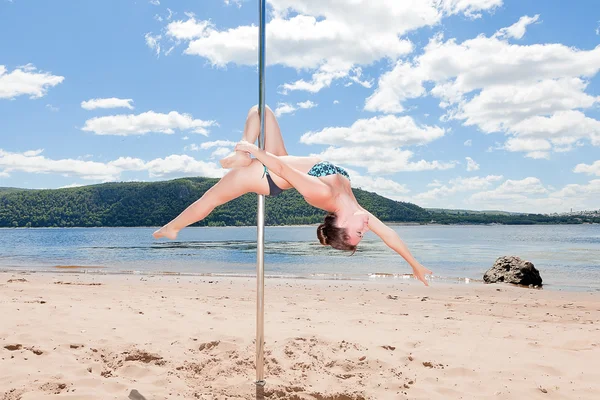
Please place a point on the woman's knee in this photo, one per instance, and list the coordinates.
(254, 110)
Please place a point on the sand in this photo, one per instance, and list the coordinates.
(91, 336)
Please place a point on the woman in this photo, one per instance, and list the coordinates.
(322, 184)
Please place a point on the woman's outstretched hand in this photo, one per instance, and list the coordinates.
(420, 272)
(246, 147)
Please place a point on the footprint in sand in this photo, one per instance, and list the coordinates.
(53, 387)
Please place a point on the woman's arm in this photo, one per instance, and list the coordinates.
(310, 187)
(393, 241)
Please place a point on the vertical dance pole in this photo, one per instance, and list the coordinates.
(260, 245)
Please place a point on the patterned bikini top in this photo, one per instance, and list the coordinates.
(325, 168)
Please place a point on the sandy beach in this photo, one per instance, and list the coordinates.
(90, 336)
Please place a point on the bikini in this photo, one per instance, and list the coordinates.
(324, 168)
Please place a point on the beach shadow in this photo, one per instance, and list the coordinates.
(260, 392)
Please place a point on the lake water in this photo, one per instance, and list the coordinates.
(568, 256)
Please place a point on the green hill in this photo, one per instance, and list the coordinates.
(156, 203)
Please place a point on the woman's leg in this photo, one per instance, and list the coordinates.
(236, 183)
(273, 139)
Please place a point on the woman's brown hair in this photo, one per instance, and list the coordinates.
(331, 235)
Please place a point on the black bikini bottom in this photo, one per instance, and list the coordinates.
(274, 190)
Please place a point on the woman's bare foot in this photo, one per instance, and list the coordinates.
(235, 160)
(166, 231)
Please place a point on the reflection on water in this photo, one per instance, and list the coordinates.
(568, 257)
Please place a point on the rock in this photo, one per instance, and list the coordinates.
(513, 270)
(135, 395)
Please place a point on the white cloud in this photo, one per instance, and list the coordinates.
(441, 192)
(238, 3)
(470, 8)
(387, 130)
(530, 195)
(535, 148)
(519, 90)
(307, 104)
(153, 42)
(401, 83)
(150, 121)
(517, 30)
(593, 169)
(471, 164)
(26, 80)
(72, 185)
(380, 160)
(217, 143)
(33, 162)
(192, 147)
(284, 108)
(326, 38)
(154, 2)
(112, 102)
(468, 143)
(220, 152)
(182, 165)
(336, 102)
(383, 187)
(52, 108)
(174, 165)
(512, 190)
(287, 108)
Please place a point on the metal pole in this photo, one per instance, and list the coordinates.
(260, 245)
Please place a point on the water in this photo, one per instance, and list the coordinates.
(568, 256)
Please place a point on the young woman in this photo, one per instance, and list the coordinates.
(271, 171)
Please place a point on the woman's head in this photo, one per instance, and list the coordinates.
(343, 235)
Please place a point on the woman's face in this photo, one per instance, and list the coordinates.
(356, 227)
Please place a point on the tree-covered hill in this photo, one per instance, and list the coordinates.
(156, 203)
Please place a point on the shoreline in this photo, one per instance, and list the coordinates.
(389, 278)
(98, 337)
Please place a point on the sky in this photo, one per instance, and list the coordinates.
(462, 104)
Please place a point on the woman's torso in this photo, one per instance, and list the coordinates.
(333, 176)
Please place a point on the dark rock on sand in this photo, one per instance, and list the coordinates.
(135, 395)
(512, 269)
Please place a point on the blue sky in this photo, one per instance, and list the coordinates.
(474, 104)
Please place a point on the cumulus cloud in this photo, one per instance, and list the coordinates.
(217, 143)
(387, 130)
(382, 186)
(175, 165)
(287, 108)
(238, 3)
(111, 102)
(26, 80)
(517, 30)
(523, 91)
(153, 41)
(441, 191)
(326, 38)
(471, 164)
(468, 143)
(379, 160)
(284, 108)
(590, 169)
(530, 195)
(150, 121)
